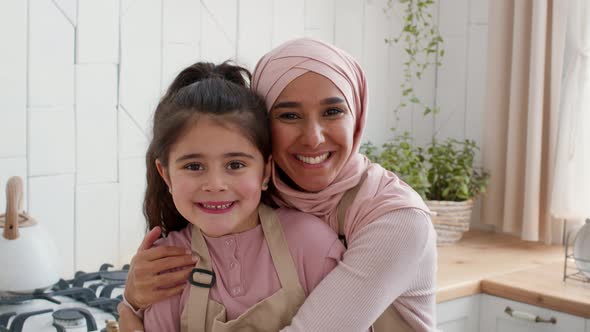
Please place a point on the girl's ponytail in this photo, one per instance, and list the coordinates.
(205, 70)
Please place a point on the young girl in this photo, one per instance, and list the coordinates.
(207, 167)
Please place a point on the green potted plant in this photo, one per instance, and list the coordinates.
(444, 175)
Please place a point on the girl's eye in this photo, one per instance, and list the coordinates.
(333, 112)
(235, 165)
(194, 167)
(288, 116)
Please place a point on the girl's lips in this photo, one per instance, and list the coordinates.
(216, 207)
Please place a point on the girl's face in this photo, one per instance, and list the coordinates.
(312, 131)
(216, 176)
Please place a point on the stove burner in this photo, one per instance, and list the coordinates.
(19, 321)
(105, 276)
(73, 317)
(67, 315)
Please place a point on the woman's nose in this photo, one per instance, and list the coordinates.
(312, 134)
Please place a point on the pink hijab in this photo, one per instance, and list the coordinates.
(382, 191)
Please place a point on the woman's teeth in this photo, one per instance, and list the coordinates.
(313, 160)
(217, 207)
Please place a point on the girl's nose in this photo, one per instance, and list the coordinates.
(312, 134)
(214, 182)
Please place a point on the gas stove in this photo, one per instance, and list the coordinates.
(88, 302)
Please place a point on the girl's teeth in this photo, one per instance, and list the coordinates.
(217, 207)
(313, 160)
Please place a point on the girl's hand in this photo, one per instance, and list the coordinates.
(146, 284)
(128, 322)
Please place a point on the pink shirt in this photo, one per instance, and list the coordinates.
(244, 268)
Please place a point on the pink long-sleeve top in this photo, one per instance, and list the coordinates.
(244, 268)
(391, 261)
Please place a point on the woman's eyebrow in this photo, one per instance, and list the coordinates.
(332, 100)
(294, 104)
(286, 104)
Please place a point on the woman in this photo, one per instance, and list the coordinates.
(317, 98)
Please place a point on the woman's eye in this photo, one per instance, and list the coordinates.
(193, 167)
(333, 112)
(235, 165)
(288, 116)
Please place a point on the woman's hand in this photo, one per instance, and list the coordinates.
(128, 322)
(146, 284)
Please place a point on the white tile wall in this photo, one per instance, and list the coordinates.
(96, 85)
(288, 20)
(13, 83)
(478, 12)
(69, 9)
(97, 222)
(453, 17)
(450, 91)
(79, 81)
(349, 20)
(133, 141)
(376, 65)
(96, 148)
(52, 141)
(52, 204)
(476, 87)
(220, 43)
(141, 61)
(13, 126)
(319, 19)
(50, 56)
(97, 39)
(181, 21)
(255, 30)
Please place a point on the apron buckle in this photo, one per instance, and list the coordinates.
(193, 281)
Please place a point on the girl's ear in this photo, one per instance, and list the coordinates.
(266, 175)
(163, 173)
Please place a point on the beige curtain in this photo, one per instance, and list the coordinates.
(525, 44)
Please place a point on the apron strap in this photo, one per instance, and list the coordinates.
(199, 291)
(279, 251)
(345, 202)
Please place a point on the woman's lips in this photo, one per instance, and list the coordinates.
(313, 161)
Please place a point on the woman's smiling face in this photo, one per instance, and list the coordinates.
(312, 130)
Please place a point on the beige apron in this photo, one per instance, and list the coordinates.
(390, 320)
(271, 314)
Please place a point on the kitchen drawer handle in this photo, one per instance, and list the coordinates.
(528, 317)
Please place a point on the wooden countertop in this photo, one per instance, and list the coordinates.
(507, 267)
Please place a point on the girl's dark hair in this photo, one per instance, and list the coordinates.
(204, 88)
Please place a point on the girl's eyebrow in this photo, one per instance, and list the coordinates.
(294, 104)
(225, 155)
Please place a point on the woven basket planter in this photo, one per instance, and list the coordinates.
(450, 219)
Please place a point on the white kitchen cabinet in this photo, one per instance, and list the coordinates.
(587, 325)
(459, 315)
(493, 317)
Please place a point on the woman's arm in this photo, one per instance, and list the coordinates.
(146, 284)
(392, 256)
(128, 321)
